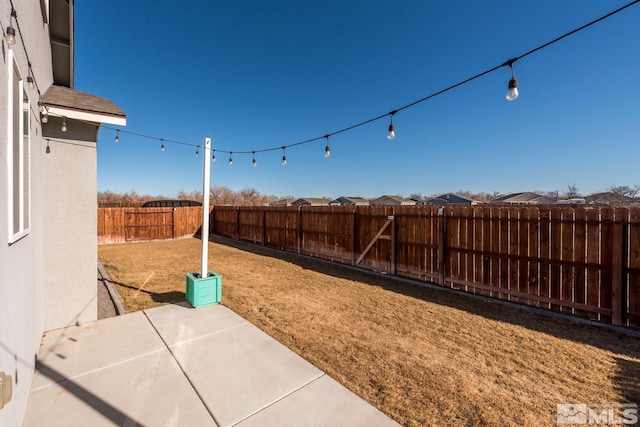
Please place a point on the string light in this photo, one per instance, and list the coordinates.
(213, 157)
(284, 157)
(117, 138)
(11, 32)
(30, 82)
(64, 124)
(197, 151)
(230, 159)
(162, 145)
(327, 149)
(392, 128)
(513, 85)
(255, 162)
(512, 88)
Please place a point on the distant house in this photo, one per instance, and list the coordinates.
(283, 202)
(450, 198)
(349, 201)
(310, 201)
(526, 198)
(392, 201)
(177, 203)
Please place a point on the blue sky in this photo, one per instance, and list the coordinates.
(255, 75)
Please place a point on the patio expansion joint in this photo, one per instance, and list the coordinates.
(322, 374)
(205, 335)
(101, 368)
(195, 390)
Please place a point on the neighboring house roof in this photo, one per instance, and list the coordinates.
(392, 200)
(74, 104)
(349, 201)
(310, 201)
(525, 198)
(173, 203)
(450, 198)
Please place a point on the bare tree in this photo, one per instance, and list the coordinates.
(572, 191)
(625, 190)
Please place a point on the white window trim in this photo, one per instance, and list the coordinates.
(23, 231)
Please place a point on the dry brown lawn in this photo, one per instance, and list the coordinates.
(422, 356)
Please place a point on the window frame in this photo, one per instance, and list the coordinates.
(21, 228)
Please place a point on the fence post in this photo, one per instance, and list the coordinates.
(238, 223)
(264, 227)
(353, 237)
(299, 229)
(442, 224)
(393, 243)
(616, 274)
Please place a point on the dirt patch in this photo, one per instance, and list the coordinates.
(422, 356)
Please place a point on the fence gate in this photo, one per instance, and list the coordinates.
(154, 225)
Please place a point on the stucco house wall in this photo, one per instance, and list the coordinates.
(22, 262)
(69, 170)
(48, 272)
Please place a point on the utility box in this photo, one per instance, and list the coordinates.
(203, 291)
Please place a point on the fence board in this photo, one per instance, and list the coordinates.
(579, 257)
(556, 239)
(544, 248)
(594, 275)
(606, 258)
(533, 275)
(633, 279)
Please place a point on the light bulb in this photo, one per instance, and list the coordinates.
(30, 84)
(512, 92)
(327, 151)
(197, 152)
(255, 163)
(213, 158)
(230, 160)
(48, 149)
(45, 116)
(284, 160)
(392, 132)
(117, 138)
(64, 124)
(162, 147)
(11, 36)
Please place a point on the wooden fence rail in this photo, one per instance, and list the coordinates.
(582, 261)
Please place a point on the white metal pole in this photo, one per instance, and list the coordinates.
(205, 207)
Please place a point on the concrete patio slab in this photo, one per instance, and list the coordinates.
(179, 366)
(326, 403)
(178, 323)
(147, 391)
(99, 344)
(242, 370)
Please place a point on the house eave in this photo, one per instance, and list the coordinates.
(88, 116)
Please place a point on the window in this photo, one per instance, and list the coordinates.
(18, 154)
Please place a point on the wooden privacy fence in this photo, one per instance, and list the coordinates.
(582, 261)
(118, 225)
